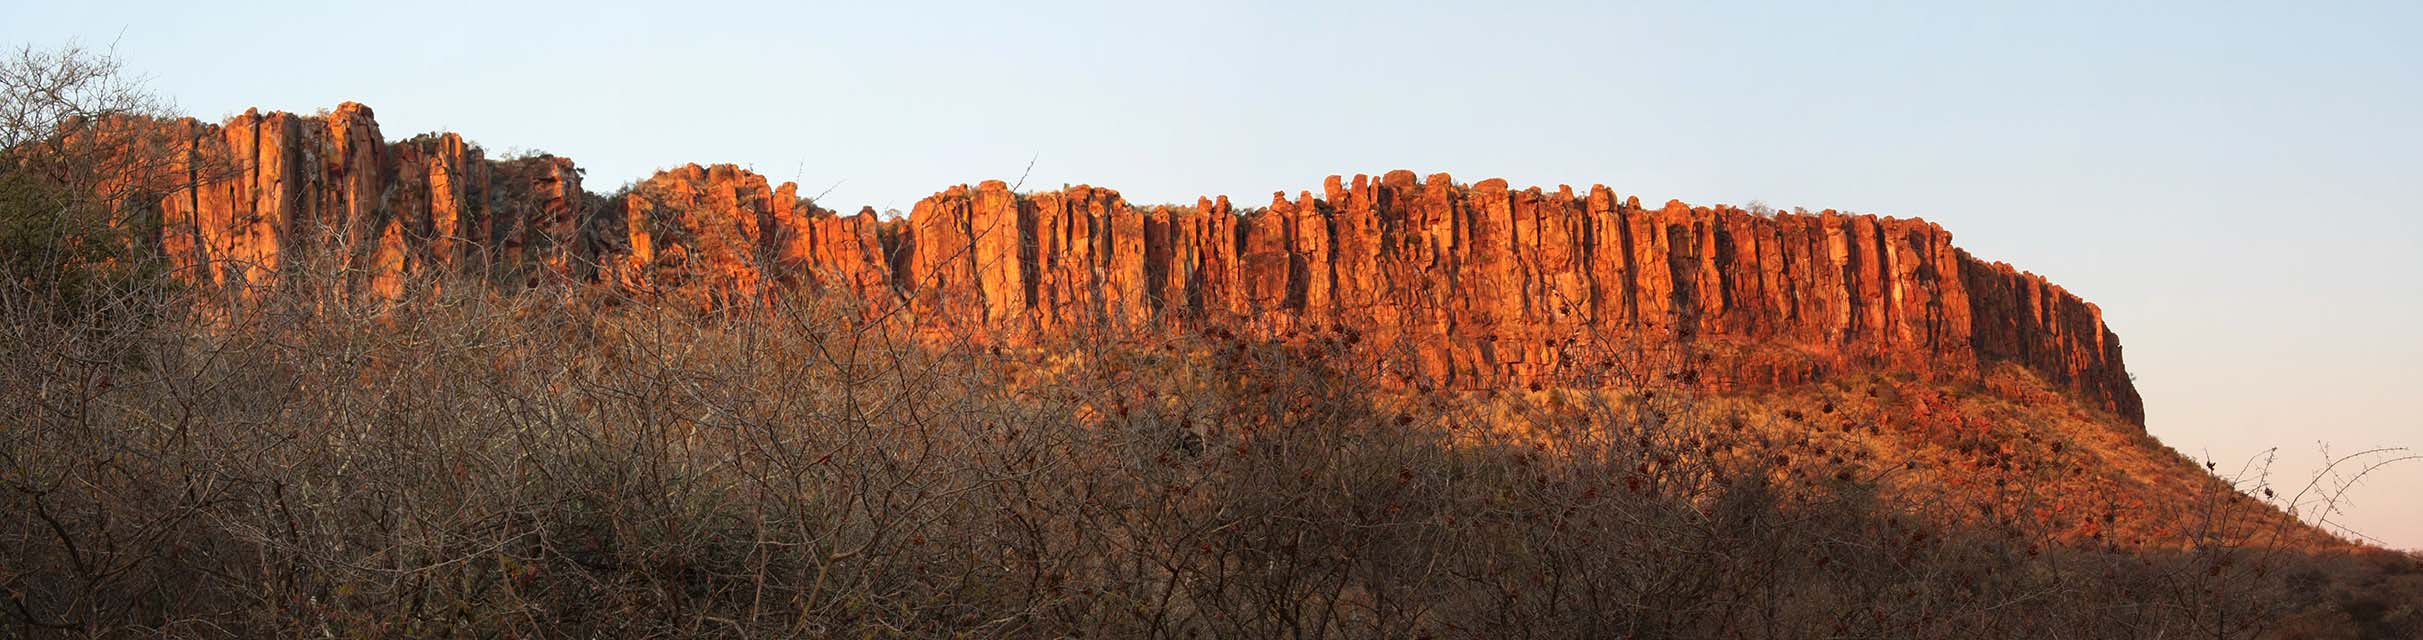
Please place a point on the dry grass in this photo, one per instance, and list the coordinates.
(533, 465)
(560, 463)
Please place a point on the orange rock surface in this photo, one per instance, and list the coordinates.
(266, 193)
(1432, 282)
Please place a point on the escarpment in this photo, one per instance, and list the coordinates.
(264, 193)
(1431, 282)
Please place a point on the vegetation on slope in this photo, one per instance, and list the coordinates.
(545, 463)
(528, 466)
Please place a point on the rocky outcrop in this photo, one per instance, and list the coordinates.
(1436, 283)
(2022, 318)
(720, 237)
(1425, 280)
(262, 194)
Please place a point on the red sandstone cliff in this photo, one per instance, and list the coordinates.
(261, 193)
(1438, 283)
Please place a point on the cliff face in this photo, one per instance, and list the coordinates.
(1478, 285)
(1435, 283)
(262, 193)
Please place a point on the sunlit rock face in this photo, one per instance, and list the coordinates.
(721, 238)
(1422, 280)
(264, 194)
(1441, 283)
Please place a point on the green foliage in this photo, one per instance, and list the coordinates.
(75, 257)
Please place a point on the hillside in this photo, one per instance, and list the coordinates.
(399, 388)
(1427, 285)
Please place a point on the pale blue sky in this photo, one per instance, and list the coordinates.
(2232, 182)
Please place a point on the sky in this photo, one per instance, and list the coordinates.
(2233, 183)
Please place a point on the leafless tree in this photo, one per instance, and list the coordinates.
(85, 156)
(485, 464)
